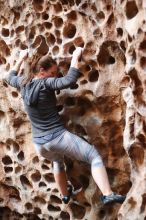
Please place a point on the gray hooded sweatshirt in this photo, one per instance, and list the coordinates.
(40, 100)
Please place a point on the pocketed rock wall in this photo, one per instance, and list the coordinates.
(107, 106)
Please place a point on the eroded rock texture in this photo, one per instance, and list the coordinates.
(107, 106)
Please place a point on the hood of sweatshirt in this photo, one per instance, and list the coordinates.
(30, 92)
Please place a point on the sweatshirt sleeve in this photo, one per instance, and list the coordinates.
(63, 82)
(13, 80)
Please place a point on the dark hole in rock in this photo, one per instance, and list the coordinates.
(129, 38)
(23, 46)
(143, 46)
(55, 190)
(3, 60)
(142, 139)
(132, 55)
(1, 200)
(5, 32)
(100, 16)
(51, 40)
(70, 101)
(2, 114)
(136, 153)
(49, 177)
(111, 60)
(43, 48)
(55, 50)
(57, 7)
(15, 195)
(37, 211)
(5, 50)
(143, 63)
(108, 7)
(82, 82)
(87, 204)
(45, 16)
(31, 216)
(7, 160)
(15, 147)
(31, 32)
(47, 161)
(21, 155)
(15, 94)
(134, 75)
(5, 84)
(8, 180)
(71, 49)
(122, 45)
(64, 215)
(132, 202)
(59, 41)
(36, 177)
(17, 122)
(69, 30)
(55, 199)
(19, 29)
(72, 15)
(102, 213)
(38, 5)
(79, 42)
(35, 160)
(84, 102)
(131, 9)
(111, 20)
(57, 33)
(120, 32)
(40, 200)
(45, 167)
(143, 205)
(28, 206)
(77, 2)
(66, 2)
(84, 6)
(78, 211)
(25, 182)
(18, 169)
(52, 208)
(140, 31)
(104, 57)
(8, 169)
(42, 184)
(58, 22)
(74, 86)
(36, 42)
(93, 75)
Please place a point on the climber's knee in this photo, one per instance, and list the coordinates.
(58, 166)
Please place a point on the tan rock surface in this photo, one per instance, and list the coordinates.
(107, 106)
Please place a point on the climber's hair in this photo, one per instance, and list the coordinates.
(35, 63)
(45, 62)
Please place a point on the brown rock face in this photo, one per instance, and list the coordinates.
(107, 106)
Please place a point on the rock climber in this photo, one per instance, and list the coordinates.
(50, 137)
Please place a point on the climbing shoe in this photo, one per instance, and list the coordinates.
(114, 197)
(66, 199)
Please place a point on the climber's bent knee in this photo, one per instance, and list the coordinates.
(58, 166)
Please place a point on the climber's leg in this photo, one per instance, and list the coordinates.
(58, 168)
